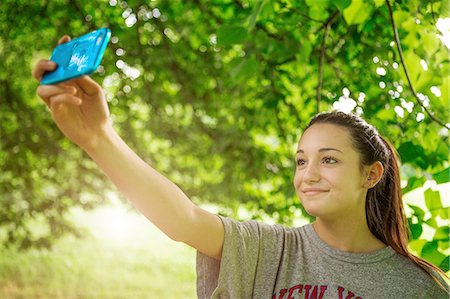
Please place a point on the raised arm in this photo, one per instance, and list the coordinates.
(80, 111)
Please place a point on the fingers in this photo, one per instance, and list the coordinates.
(64, 39)
(87, 85)
(64, 99)
(46, 91)
(60, 92)
(44, 65)
(63, 93)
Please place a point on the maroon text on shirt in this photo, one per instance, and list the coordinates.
(312, 292)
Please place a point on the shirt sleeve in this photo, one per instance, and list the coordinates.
(246, 244)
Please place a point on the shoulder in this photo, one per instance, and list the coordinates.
(266, 235)
(257, 227)
(409, 273)
(405, 267)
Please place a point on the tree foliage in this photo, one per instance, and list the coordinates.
(214, 94)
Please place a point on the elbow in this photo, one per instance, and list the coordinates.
(175, 237)
(182, 229)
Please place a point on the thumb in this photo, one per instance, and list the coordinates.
(66, 38)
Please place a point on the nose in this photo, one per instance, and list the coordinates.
(311, 174)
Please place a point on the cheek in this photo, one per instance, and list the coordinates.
(296, 181)
(343, 179)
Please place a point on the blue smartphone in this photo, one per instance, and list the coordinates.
(80, 56)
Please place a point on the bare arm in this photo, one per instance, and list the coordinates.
(80, 111)
(159, 199)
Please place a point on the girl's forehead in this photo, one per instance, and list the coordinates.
(325, 135)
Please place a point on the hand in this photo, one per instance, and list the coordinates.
(78, 106)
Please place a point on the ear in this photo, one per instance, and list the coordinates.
(374, 175)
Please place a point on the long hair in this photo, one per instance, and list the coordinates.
(384, 209)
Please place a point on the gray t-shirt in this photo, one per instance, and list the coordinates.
(272, 261)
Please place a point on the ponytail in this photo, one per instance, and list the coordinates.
(386, 218)
(384, 209)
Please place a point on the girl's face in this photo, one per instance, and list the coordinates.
(328, 179)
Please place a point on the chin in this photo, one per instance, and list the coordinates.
(310, 209)
(316, 208)
(313, 212)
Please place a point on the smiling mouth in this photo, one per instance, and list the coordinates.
(313, 192)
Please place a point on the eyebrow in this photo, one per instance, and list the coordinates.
(324, 149)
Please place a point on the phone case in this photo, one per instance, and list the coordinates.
(80, 56)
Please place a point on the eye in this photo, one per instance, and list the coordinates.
(300, 162)
(329, 160)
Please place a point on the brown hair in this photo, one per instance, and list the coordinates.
(384, 208)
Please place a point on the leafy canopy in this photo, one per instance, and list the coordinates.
(214, 94)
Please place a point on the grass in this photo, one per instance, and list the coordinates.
(124, 256)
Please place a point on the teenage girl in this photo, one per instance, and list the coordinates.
(346, 176)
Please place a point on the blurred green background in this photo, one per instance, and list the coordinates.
(214, 95)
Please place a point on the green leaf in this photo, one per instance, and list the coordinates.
(413, 183)
(430, 253)
(430, 43)
(230, 35)
(245, 69)
(441, 151)
(386, 114)
(254, 16)
(416, 230)
(317, 13)
(442, 233)
(357, 12)
(413, 65)
(304, 51)
(424, 79)
(411, 41)
(445, 91)
(432, 220)
(318, 9)
(418, 212)
(342, 4)
(378, 3)
(409, 151)
(433, 200)
(445, 264)
(400, 16)
(417, 245)
(443, 176)
(323, 4)
(445, 10)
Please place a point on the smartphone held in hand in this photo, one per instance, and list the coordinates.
(80, 56)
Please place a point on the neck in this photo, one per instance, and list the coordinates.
(350, 236)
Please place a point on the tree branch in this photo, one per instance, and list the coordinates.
(270, 34)
(326, 26)
(399, 48)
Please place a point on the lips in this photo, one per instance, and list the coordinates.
(313, 191)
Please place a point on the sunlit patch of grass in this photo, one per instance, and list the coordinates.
(123, 257)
